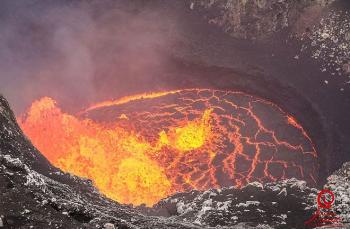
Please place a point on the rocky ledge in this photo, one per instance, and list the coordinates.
(289, 202)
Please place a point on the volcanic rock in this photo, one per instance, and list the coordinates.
(339, 184)
(256, 19)
(282, 204)
(320, 28)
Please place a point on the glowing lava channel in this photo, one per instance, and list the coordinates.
(142, 148)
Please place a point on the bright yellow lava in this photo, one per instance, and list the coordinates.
(191, 136)
(117, 160)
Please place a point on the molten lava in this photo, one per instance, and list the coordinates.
(142, 148)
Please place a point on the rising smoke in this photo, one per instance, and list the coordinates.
(81, 52)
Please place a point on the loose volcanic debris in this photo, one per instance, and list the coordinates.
(256, 203)
(329, 44)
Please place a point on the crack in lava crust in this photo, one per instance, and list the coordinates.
(142, 148)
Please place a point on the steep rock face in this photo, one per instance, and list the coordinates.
(13, 142)
(255, 19)
(319, 27)
(328, 43)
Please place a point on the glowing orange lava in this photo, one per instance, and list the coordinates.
(140, 149)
